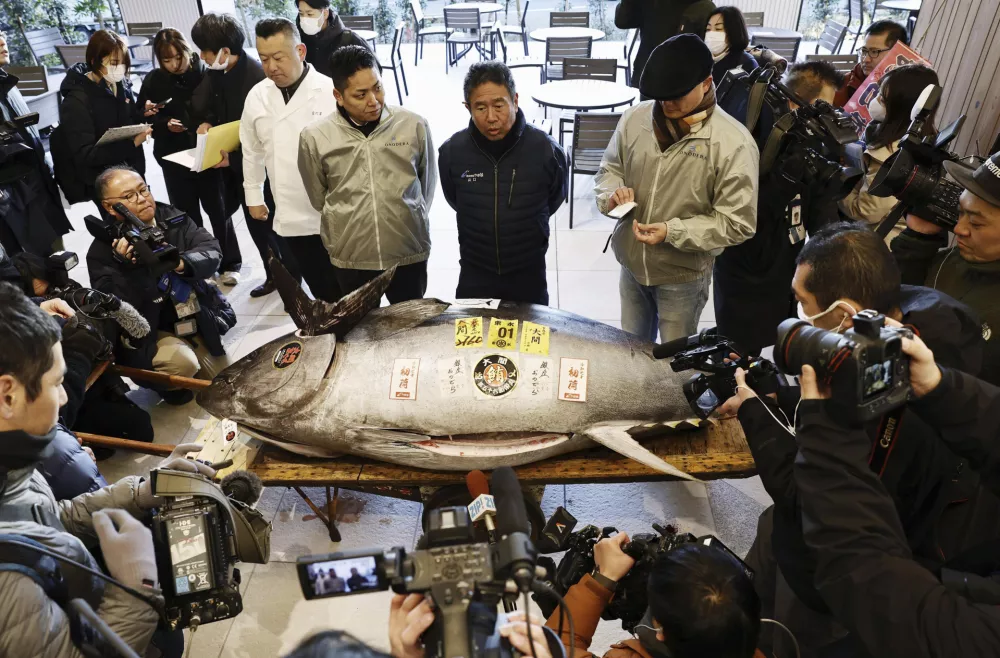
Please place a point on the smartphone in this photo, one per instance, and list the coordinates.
(715, 542)
(342, 574)
(163, 104)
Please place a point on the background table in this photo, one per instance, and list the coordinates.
(912, 6)
(544, 33)
(584, 95)
(774, 32)
(367, 35)
(483, 7)
(136, 42)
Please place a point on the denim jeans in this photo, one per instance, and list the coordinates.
(673, 308)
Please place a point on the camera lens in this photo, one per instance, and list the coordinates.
(799, 343)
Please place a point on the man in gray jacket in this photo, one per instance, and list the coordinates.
(31, 392)
(692, 171)
(370, 171)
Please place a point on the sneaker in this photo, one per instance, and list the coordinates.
(229, 278)
(265, 288)
(177, 397)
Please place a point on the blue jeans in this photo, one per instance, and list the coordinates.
(673, 308)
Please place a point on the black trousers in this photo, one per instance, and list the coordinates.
(410, 281)
(264, 237)
(191, 191)
(528, 286)
(314, 264)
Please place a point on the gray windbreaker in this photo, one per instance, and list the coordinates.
(31, 624)
(704, 187)
(374, 192)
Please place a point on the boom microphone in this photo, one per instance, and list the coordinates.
(483, 506)
(677, 345)
(99, 305)
(514, 555)
(243, 486)
(131, 320)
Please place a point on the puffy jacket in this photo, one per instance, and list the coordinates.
(319, 47)
(161, 85)
(135, 285)
(87, 111)
(31, 624)
(658, 20)
(374, 192)
(69, 470)
(503, 214)
(704, 187)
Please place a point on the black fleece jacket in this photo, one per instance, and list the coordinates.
(320, 46)
(161, 85)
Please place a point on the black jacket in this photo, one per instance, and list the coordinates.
(135, 285)
(320, 46)
(87, 111)
(503, 202)
(658, 20)
(865, 571)
(921, 475)
(159, 86)
(739, 59)
(923, 263)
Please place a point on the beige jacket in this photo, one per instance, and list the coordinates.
(704, 187)
(861, 206)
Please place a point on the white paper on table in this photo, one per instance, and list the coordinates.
(122, 133)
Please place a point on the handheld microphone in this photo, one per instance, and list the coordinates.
(483, 506)
(515, 555)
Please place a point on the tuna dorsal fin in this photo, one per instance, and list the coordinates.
(316, 317)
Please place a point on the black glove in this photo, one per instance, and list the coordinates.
(82, 338)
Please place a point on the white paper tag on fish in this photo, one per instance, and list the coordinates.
(573, 374)
(228, 430)
(491, 304)
(539, 378)
(403, 385)
(453, 378)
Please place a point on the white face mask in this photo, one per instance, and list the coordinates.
(876, 110)
(114, 72)
(716, 42)
(311, 26)
(812, 318)
(220, 63)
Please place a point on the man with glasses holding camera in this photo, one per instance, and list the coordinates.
(187, 314)
(880, 37)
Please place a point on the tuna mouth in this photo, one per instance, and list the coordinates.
(490, 445)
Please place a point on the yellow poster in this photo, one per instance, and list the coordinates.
(503, 334)
(469, 332)
(535, 339)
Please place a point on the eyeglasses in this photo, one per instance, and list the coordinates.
(133, 196)
(872, 53)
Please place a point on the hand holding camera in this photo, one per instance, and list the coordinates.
(177, 461)
(516, 632)
(409, 616)
(610, 559)
(127, 546)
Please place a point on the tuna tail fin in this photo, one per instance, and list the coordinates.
(316, 317)
(616, 437)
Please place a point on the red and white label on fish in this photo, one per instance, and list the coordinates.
(573, 374)
(403, 385)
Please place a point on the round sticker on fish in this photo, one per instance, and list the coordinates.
(286, 355)
(495, 375)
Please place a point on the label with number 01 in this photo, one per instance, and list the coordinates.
(503, 334)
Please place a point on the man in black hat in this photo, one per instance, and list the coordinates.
(972, 275)
(692, 170)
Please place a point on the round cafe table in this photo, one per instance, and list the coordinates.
(367, 35)
(773, 32)
(584, 95)
(483, 7)
(545, 33)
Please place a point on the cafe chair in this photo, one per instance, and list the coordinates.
(569, 19)
(631, 39)
(559, 48)
(578, 68)
(31, 80)
(592, 132)
(423, 28)
(520, 29)
(754, 18)
(787, 47)
(465, 29)
(832, 38)
(842, 63)
(511, 61)
(143, 67)
(855, 12)
(72, 54)
(396, 61)
(360, 23)
(43, 42)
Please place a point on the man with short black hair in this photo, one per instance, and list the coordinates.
(880, 37)
(503, 214)
(369, 169)
(323, 33)
(277, 109)
(813, 81)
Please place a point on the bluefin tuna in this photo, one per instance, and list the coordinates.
(446, 386)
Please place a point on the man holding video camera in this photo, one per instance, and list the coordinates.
(866, 571)
(188, 314)
(972, 275)
(31, 391)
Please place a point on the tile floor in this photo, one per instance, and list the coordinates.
(582, 279)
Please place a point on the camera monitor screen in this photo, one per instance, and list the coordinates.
(877, 378)
(339, 577)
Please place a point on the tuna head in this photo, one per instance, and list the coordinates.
(273, 383)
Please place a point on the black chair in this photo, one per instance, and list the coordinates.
(754, 18)
(396, 61)
(422, 29)
(579, 68)
(559, 48)
(787, 47)
(631, 38)
(514, 62)
(843, 63)
(520, 28)
(72, 53)
(360, 23)
(832, 38)
(142, 67)
(465, 29)
(569, 19)
(855, 12)
(43, 42)
(31, 80)
(592, 132)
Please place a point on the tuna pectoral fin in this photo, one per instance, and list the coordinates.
(294, 448)
(616, 437)
(316, 317)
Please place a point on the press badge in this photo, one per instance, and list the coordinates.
(189, 307)
(185, 327)
(796, 231)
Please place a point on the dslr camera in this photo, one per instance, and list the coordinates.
(17, 159)
(199, 535)
(865, 367)
(149, 242)
(915, 173)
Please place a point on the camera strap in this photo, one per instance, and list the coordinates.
(890, 220)
(30, 514)
(888, 433)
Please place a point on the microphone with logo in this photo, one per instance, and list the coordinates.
(483, 506)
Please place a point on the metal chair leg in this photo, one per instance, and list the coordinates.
(399, 90)
(572, 187)
(416, 50)
(524, 40)
(402, 72)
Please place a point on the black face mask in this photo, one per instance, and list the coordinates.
(646, 635)
(18, 449)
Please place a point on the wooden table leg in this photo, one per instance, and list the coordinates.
(331, 506)
(328, 521)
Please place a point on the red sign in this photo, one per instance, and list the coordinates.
(857, 107)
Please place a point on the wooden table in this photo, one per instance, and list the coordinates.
(584, 95)
(719, 451)
(545, 33)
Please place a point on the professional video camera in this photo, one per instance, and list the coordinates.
(199, 535)
(631, 596)
(865, 367)
(465, 579)
(149, 242)
(802, 148)
(16, 158)
(713, 354)
(915, 173)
